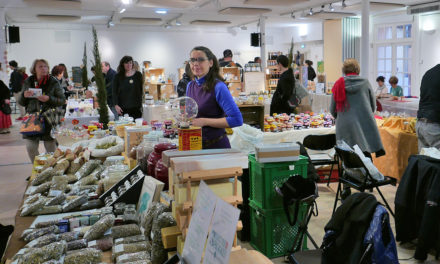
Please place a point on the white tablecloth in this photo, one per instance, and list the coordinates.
(84, 120)
(409, 106)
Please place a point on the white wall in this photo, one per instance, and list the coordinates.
(165, 49)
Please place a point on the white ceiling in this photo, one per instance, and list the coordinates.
(99, 12)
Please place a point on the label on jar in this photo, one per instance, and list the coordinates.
(119, 248)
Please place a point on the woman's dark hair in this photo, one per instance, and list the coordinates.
(65, 74)
(214, 72)
(121, 69)
(56, 70)
(309, 62)
(188, 71)
(283, 60)
(380, 78)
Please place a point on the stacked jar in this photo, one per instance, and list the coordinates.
(145, 148)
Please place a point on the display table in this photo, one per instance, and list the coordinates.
(398, 145)
(253, 115)
(320, 102)
(85, 120)
(409, 106)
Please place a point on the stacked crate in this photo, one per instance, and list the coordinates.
(271, 232)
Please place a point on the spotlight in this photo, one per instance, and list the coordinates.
(292, 15)
(167, 26)
(344, 5)
(161, 11)
(331, 7)
(243, 27)
(311, 12)
(122, 11)
(110, 23)
(178, 23)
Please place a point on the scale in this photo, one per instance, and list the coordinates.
(184, 110)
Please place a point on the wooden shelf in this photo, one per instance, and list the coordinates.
(232, 82)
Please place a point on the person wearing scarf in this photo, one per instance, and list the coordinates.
(52, 96)
(352, 105)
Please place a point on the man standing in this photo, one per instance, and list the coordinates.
(109, 74)
(428, 116)
(15, 84)
(227, 60)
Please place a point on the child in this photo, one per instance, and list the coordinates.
(396, 90)
(382, 88)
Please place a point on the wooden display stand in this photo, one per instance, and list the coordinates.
(232, 79)
(253, 115)
(160, 91)
(183, 215)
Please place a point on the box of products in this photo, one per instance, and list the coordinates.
(277, 152)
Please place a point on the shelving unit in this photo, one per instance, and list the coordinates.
(154, 85)
(272, 73)
(232, 79)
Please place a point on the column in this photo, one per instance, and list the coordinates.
(263, 53)
(3, 71)
(365, 39)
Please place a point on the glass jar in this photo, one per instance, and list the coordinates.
(106, 211)
(144, 149)
(119, 208)
(161, 173)
(130, 216)
(156, 155)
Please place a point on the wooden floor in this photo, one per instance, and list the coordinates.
(15, 167)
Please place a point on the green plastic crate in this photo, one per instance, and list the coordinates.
(264, 177)
(271, 233)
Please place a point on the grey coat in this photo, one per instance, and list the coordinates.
(356, 125)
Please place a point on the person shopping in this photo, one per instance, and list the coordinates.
(52, 97)
(396, 90)
(127, 89)
(5, 118)
(285, 87)
(216, 107)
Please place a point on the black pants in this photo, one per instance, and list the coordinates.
(133, 112)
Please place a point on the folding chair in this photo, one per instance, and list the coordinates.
(321, 143)
(352, 162)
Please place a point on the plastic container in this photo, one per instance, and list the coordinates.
(144, 149)
(156, 155)
(264, 177)
(271, 233)
(114, 160)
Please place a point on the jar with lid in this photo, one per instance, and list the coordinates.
(119, 208)
(145, 148)
(156, 155)
(130, 216)
(106, 211)
(149, 100)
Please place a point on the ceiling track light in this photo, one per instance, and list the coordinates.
(178, 23)
(311, 12)
(344, 5)
(292, 15)
(331, 8)
(122, 11)
(167, 26)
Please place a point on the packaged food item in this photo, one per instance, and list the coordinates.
(92, 204)
(42, 188)
(103, 244)
(82, 230)
(130, 239)
(100, 227)
(69, 206)
(62, 165)
(69, 236)
(128, 248)
(97, 172)
(71, 178)
(31, 208)
(158, 252)
(39, 255)
(152, 213)
(88, 180)
(57, 200)
(59, 183)
(125, 231)
(86, 255)
(52, 209)
(46, 224)
(75, 165)
(32, 198)
(63, 224)
(43, 177)
(130, 257)
(36, 233)
(87, 168)
(42, 241)
(77, 244)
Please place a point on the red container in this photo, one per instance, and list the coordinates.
(156, 155)
(161, 173)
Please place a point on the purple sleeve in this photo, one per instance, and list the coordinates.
(226, 102)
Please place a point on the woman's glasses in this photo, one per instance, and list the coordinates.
(199, 60)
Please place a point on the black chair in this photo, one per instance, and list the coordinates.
(360, 181)
(321, 143)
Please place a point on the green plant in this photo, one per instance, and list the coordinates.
(290, 56)
(84, 78)
(100, 83)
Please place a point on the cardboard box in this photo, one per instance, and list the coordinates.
(167, 155)
(133, 136)
(277, 152)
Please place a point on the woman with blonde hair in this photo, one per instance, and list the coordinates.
(51, 96)
(353, 104)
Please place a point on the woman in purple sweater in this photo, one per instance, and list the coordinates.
(217, 109)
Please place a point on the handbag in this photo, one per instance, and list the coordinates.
(33, 124)
(294, 101)
(5, 108)
(53, 116)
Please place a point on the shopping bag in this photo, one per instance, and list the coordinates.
(33, 124)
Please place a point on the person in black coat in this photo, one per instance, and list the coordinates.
(310, 71)
(109, 74)
(183, 83)
(5, 118)
(15, 84)
(284, 90)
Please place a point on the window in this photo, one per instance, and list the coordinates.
(393, 53)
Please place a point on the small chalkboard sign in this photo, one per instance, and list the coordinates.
(77, 74)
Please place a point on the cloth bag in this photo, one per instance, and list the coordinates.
(33, 124)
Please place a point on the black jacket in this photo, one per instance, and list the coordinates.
(128, 91)
(429, 106)
(415, 218)
(284, 90)
(5, 93)
(109, 76)
(183, 83)
(15, 81)
(348, 227)
(311, 73)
